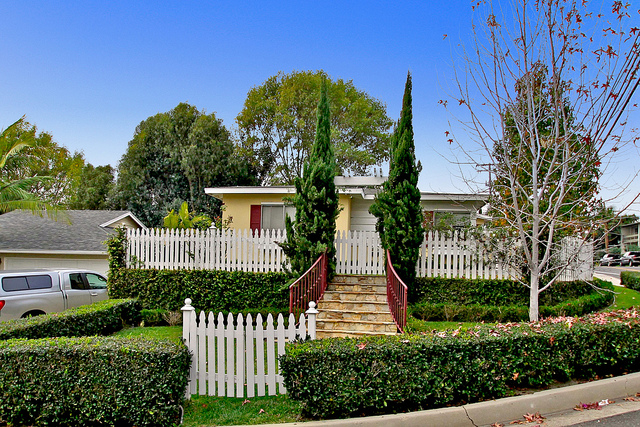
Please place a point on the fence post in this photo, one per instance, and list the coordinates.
(312, 313)
(189, 338)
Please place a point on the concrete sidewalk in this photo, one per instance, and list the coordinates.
(555, 405)
(614, 280)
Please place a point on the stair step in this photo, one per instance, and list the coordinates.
(353, 315)
(357, 287)
(347, 305)
(356, 326)
(354, 296)
(349, 334)
(368, 280)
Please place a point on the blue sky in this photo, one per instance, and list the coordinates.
(89, 71)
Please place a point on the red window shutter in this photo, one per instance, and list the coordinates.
(255, 218)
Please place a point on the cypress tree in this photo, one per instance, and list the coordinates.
(397, 207)
(316, 200)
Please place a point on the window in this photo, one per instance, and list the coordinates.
(270, 216)
(96, 282)
(75, 279)
(23, 283)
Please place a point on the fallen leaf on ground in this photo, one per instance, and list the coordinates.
(530, 418)
(246, 401)
(583, 406)
(497, 425)
(261, 411)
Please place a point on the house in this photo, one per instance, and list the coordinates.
(629, 236)
(75, 240)
(264, 207)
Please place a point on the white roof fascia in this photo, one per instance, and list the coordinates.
(218, 192)
(453, 196)
(129, 214)
(46, 252)
(359, 181)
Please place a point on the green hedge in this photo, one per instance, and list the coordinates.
(92, 381)
(210, 290)
(466, 300)
(102, 318)
(342, 377)
(630, 279)
(585, 304)
(439, 290)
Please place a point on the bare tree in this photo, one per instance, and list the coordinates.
(546, 88)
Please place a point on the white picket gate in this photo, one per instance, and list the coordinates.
(359, 252)
(239, 359)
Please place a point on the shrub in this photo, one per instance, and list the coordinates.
(92, 381)
(102, 318)
(464, 300)
(210, 290)
(365, 376)
(512, 313)
(153, 317)
(630, 279)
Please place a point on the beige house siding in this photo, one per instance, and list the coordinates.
(17, 261)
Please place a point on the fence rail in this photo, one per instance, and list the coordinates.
(233, 357)
(450, 255)
(396, 295)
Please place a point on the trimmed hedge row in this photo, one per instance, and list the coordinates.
(592, 301)
(102, 318)
(342, 377)
(460, 291)
(630, 279)
(210, 290)
(92, 381)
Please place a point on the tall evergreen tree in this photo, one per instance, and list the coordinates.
(397, 207)
(316, 200)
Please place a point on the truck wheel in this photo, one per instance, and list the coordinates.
(32, 314)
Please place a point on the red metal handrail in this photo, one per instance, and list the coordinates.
(309, 287)
(396, 295)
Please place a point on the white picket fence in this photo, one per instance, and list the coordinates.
(239, 359)
(449, 255)
(210, 249)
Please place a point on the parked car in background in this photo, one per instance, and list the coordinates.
(610, 259)
(26, 293)
(630, 258)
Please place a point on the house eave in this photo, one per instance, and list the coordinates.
(49, 252)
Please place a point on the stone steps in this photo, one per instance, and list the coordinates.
(355, 306)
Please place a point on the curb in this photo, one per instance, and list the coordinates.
(496, 411)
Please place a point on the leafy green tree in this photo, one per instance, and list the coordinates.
(92, 188)
(183, 219)
(316, 201)
(277, 125)
(397, 207)
(15, 188)
(172, 157)
(43, 157)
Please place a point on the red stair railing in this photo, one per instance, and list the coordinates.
(396, 295)
(309, 287)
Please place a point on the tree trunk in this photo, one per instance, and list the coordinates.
(533, 297)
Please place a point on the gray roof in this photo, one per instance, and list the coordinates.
(23, 231)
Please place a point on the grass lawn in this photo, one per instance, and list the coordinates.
(625, 298)
(203, 411)
(173, 333)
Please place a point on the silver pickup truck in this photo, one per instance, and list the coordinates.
(26, 293)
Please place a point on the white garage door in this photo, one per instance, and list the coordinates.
(13, 263)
